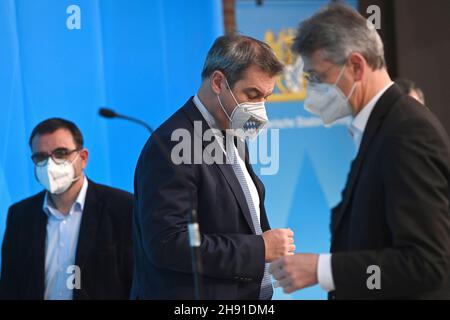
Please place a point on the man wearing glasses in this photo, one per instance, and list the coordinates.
(390, 234)
(73, 240)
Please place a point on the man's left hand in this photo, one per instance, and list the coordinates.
(295, 272)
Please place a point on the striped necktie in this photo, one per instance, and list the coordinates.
(266, 284)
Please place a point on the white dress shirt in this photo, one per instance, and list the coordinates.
(359, 123)
(61, 245)
(213, 125)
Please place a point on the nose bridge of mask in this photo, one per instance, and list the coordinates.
(50, 159)
(53, 164)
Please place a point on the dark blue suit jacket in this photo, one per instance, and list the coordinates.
(233, 255)
(103, 254)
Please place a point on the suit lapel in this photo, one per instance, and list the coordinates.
(226, 169)
(39, 235)
(90, 220)
(380, 110)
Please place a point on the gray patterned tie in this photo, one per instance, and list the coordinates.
(266, 284)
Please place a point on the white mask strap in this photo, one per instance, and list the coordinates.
(75, 159)
(231, 91)
(340, 75)
(223, 109)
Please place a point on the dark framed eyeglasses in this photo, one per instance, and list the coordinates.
(312, 77)
(315, 77)
(59, 156)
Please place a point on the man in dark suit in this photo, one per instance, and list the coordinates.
(236, 241)
(391, 231)
(72, 241)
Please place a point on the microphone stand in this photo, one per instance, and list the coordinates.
(193, 226)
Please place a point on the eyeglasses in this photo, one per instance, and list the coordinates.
(315, 77)
(312, 77)
(59, 156)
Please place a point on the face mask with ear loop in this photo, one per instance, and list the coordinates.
(327, 101)
(56, 178)
(247, 119)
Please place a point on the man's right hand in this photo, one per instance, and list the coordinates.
(278, 243)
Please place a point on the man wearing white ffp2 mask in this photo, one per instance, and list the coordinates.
(239, 74)
(392, 225)
(73, 228)
(326, 100)
(58, 175)
(247, 118)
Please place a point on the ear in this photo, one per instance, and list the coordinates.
(217, 80)
(357, 66)
(84, 156)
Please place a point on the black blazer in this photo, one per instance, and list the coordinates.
(395, 207)
(103, 254)
(233, 255)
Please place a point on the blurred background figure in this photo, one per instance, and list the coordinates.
(410, 88)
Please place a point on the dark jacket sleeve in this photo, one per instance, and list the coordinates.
(163, 207)
(127, 261)
(8, 282)
(416, 193)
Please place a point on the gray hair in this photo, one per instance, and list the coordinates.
(232, 54)
(338, 30)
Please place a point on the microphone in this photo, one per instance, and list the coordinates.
(107, 113)
(193, 226)
(111, 114)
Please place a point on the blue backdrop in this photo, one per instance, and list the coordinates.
(141, 57)
(67, 58)
(313, 160)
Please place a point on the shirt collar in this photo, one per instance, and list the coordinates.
(79, 201)
(359, 123)
(211, 122)
(205, 113)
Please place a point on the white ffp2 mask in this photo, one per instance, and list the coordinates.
(247, 118)
(327, 101)
(56, 178)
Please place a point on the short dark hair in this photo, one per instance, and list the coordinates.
(338, 30)
(232, 54)
(51, 125)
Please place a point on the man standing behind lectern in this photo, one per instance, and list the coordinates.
(236, 241)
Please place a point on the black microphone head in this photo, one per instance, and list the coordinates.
(107, 113)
